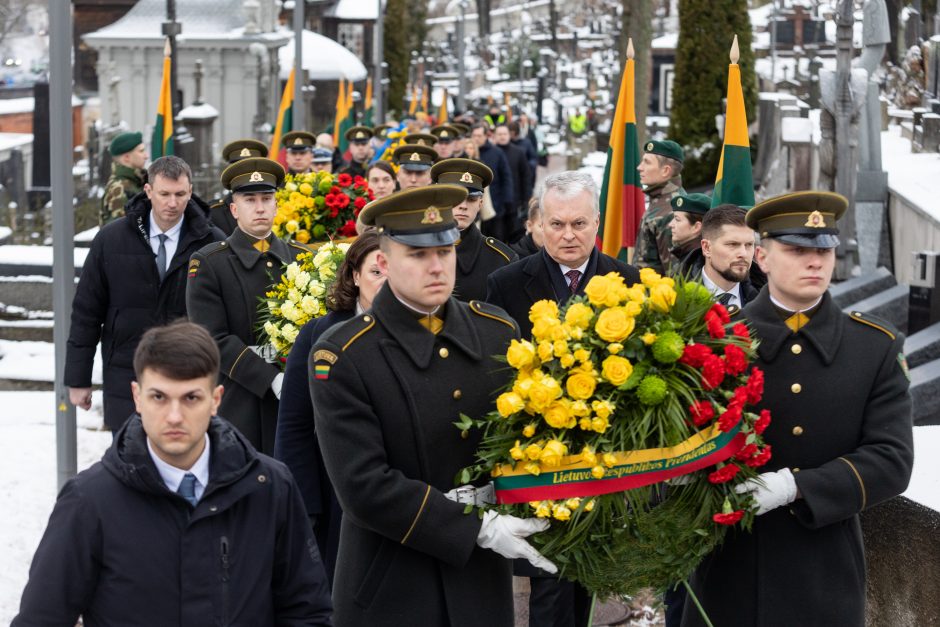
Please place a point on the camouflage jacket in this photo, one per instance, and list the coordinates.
(654, 241)
(123, 184)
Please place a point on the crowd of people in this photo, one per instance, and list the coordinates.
(355, 519)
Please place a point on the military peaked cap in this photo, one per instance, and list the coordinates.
(299, 140)
(420, 139)
(359, 134)
(805, 219)
(420, 217)
(474, 175)
(445, 133)
(253, 174)
(242, 149)
(415, 156)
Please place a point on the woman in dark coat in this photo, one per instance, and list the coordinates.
(295, 443)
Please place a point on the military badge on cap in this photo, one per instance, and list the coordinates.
(806, 219)
(649, 146)
(679, 202)
(244, 152)
(472, 174)
(466, 177)
(254, 174)
(420, 139)
(242, 149)
(431, 216)
(415, 157)
(359, 134)
(816, 221)
(299, 140)
(421, 217)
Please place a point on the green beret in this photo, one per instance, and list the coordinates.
(124, 143)
(691, 203)
(299, 140)
(420, 139)
(421, 217)
(472, 174)
(253, 174)
(664, 148)
(242, 149)
(415, 156)
(359, 134)
(805, 219)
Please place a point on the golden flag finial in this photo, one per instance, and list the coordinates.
(630, 51)
(735, 51)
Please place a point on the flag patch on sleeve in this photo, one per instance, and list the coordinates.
(321, 371)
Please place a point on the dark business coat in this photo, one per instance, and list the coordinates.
(386, 393)
(478, 256)
(538, 277)
(297, 445)
(841, 422)
(227, 281)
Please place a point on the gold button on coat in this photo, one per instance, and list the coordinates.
(443, 352)
(796, 349)
(457, 395)
(796, 388)
(797, 430)
(270, 264)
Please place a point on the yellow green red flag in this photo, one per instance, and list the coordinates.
(442, 111)
(622, 203)
(413, 104)
(285, 120)
(349, 118)
(734, 183)
(161, 142)
(340, 114)
(368, 110)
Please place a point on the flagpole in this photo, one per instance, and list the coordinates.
(299, 121)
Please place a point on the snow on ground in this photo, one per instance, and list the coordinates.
(925, 482)
(913, 176)
(28, 491)
(35, 361)
(35, 255)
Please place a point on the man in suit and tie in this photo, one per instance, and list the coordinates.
(570, 219)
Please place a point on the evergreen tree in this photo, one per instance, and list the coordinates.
(706, 30)
(405, 30)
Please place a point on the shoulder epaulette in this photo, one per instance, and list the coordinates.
(218, 202)
(500, 248)
(300, 247)
(733, 310)
(346, 333)
(876, 323)
(493, 312)
(213, 248)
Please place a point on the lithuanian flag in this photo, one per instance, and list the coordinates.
(368, 110)
(424, 99)
(413, 104)
(622, 203)
(161, 142)
(735, 183)
(349, 118)
(285, 121)
(442, 111)
(340, 114)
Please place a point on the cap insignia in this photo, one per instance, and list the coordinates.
(679, 202)
(466, 177)
(421, 142)
(256, 178)
(244, 153)
(431, 216)
(298, 142)
(414, 157)
(816, 221)
(360, 135)
(444, 134)
(649, 146)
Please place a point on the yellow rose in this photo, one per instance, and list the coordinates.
(580, 408)
(633, 309)
(588, 456)
(303, 236)
(580, 385)
(616, 369)
(649, 277)
(542, 509)
(597, 289)
(497, 470)
(603, 408)
(662, 297)
(557, 414)
(528, 431)
(523, 384)
(509, 403)
(533, 451)
(571, 332)
(546, 350)
(585, 423)
(614, 348)
(582, 355)
(306, 189)
(609, 460)
(516, 452)
(573, 503)
(598, 472)
(291, 226)
(636, 294)
(521, 354)
(544, 392)
(614, 325)
(599, 424)
(579, 315)
(560, 512)
(552, 453)
(648, 338)
(589, 505)
(533, 468)
(566, 361)
(559, 348)
(548, 329)
(543, 309)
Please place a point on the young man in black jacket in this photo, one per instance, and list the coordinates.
(182, 522)
(134, 278)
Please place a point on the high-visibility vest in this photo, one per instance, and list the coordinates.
(577, 123)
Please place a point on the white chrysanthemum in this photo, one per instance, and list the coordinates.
(321, 257)
(273, 308)
(293, 295)
(287, 310)
(271, 329)
(292, 270)
(317, 288)
(289, 332)
(302, 279)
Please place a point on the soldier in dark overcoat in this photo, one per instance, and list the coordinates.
(227, 281)
(360, 151)
(220, 209)
(841, 435)
(477, 255)
(387, 387)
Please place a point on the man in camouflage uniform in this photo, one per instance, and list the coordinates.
(127, 175)
(661, 175)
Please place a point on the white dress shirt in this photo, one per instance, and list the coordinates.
(173, 476)
(172, 238)
(717, 291)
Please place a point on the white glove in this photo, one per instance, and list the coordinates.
(504, 534)
(770, 490)
(276, 385)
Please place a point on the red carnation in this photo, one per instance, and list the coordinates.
(348, 229)
(730, 417)
(735, 360)
(329, 200)
(762, 422)
(747, 452)
(334, 211)
(359, 203)
(344, 180)
(694, 355)
(702, 412)
(335, 190)
(728, 519)
(713, 372)
(714, 325)
(724, 474)
(342, 201)
(719, 310)
(358, 180)
(760, 459)
(740, 330)
(755, 386)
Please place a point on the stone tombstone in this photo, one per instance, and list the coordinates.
(930, 123)
(41, 140)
